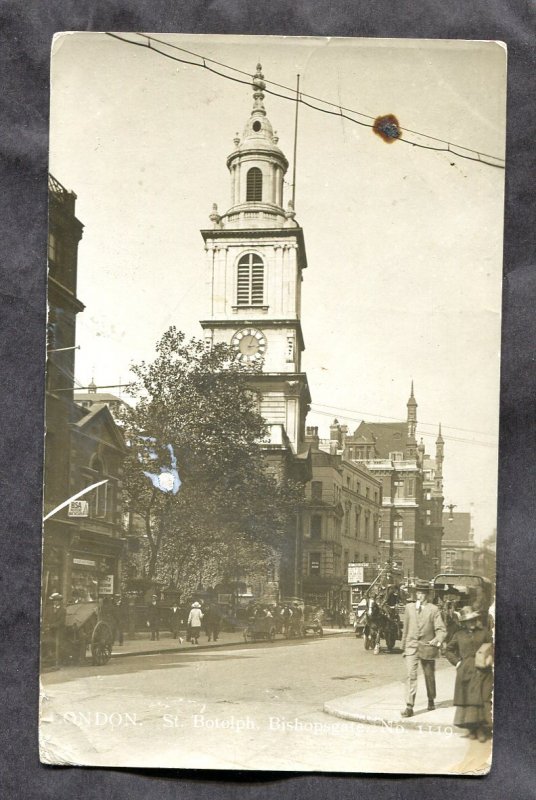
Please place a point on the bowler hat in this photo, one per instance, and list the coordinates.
(467, 613)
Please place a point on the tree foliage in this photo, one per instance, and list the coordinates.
(230, 511)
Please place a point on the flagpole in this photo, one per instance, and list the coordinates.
(295, 141)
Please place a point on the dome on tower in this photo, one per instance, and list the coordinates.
(257, 168)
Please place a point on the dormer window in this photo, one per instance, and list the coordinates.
(254, 185)
(250, 285)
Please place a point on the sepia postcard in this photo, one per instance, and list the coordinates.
(272, 403)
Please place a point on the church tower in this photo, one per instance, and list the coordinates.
(255, 258)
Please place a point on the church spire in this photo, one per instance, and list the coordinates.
(257, 167)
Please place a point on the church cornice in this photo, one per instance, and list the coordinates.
(259, 233)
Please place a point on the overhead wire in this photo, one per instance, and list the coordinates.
(428, 434)
(339, 409)
(476, 156)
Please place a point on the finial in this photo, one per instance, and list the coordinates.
(236, 140)
(290, 213)
(259, 86)
(439, 439)
(411, 388)
(215, 217)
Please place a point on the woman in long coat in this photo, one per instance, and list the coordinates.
(194, 622)
(473, 688)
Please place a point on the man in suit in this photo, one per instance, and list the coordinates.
(424, 630)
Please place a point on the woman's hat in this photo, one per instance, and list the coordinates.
(196, 605)
(56, 596)
(467, 613)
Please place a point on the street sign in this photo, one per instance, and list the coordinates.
(356, 573)
(106, 585)
(78, 508)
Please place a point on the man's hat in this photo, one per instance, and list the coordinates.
(467, 613)
(56, 596)
(155, 597)
(422, 586)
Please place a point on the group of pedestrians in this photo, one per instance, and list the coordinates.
(469, 650)
(190, 621)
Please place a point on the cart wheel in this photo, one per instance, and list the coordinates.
(101, 643)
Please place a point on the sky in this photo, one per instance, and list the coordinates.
(404, 245)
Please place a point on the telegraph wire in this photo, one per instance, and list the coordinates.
(476, 154)
(428, 434)
(397, 419)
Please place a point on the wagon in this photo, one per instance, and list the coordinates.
(260, 628)
(85, 628)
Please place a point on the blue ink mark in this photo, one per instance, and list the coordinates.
(167, 480)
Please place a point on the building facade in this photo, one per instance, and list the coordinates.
(341, 525)
(255, 256)
(82, 543)
(458, 546)
(412, 488)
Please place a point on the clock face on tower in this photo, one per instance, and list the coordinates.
(249, 344)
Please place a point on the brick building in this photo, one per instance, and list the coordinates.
(82, 545)
(412, 488)
(457, 547)
(341, 524)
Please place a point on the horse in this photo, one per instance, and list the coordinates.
(379, 625)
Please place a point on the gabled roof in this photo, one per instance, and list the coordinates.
(98, 423)
(388, 437)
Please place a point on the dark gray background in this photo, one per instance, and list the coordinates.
(26, 29)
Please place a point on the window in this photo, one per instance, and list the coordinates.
(99, 497)
(411, 487)
(52, 247)
(254, 185)
(396, 456)
(316, 527)
(367, 525)
(367, 492)
(314, 563)
(250, 285)
(357, 522)
(316, 490)
(398, 530)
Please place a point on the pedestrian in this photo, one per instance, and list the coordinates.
(153, 618)
(118, 619)
(423, 633)
(194, 622)
(474, 685)
(175, 622)
(212, 622)
(286, 615)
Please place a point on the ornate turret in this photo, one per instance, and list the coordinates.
(412, 417)
(440, 456)
(257, 167)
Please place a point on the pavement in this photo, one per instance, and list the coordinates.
(143, 646)
(381, 705)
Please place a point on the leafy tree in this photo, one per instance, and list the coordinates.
(230, 510)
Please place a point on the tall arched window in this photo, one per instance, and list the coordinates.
(98, 502)
(250, 287)
(254, 185)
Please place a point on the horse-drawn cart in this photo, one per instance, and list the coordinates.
(85, 628)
